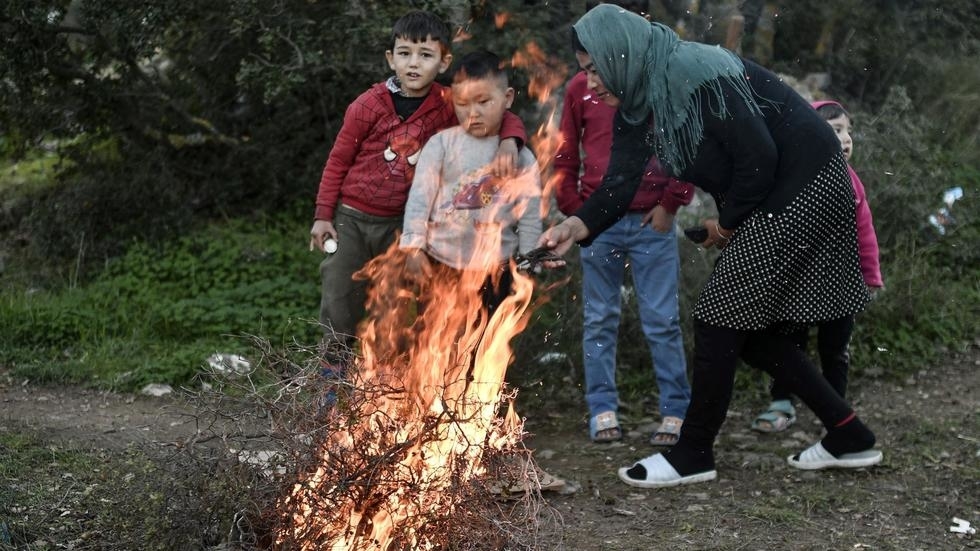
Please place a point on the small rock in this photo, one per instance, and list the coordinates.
(156, 389)
(570, 487)
(545, 454)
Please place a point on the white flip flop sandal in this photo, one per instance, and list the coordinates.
(817, 457)
(661, 474)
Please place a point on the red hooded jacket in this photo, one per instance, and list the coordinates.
(867, 238)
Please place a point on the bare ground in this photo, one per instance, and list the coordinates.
(928, 427)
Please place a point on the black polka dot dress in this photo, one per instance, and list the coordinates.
(794, 266)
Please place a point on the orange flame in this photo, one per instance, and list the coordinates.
(547, 74)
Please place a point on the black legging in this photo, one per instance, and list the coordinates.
(716, 354)
(833, 338)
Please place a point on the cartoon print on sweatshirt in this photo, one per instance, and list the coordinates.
(401, 153)
(476, 191)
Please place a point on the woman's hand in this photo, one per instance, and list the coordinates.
(560, 238)
(717, 235)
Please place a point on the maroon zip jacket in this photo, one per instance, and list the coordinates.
(589, 122)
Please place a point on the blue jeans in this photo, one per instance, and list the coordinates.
(653, 260)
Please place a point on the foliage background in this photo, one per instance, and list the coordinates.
(159, 162)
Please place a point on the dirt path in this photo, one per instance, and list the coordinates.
(928, 427)
(93, 418)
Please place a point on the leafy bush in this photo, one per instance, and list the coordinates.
(177, 133)
(157, 312)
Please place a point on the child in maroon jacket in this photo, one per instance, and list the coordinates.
(645, 240)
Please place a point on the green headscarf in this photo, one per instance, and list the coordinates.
(649, 68)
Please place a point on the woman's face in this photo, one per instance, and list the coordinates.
(595, 84)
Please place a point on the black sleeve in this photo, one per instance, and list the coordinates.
(631, 150)
(753, 153)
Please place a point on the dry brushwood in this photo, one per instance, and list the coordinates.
(329, 468)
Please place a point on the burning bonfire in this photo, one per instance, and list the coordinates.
(420, 417)
(423, 439)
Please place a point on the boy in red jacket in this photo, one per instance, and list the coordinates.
(365, 183)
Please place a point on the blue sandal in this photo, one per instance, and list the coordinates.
(777, 418)
(604, 428)
(669, 432)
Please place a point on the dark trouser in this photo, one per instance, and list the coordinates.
(716, 354)
(360, 237)
(833, 338)
(494, 290)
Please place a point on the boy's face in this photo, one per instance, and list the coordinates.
(480, 104)
(417, 64)
(842, 127)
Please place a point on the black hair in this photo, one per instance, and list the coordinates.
(479, 65)
(418, 26)
(577, 44)
(830, 111)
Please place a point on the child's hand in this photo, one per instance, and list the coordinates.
(320, 232)
(417, 266)
(659, 219)
(875, 291)
(504, 164)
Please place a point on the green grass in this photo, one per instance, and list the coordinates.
(775, 511)
(157, 313)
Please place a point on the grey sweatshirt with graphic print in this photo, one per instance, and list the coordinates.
(460, 214)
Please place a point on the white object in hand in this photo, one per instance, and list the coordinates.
(330, 246)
